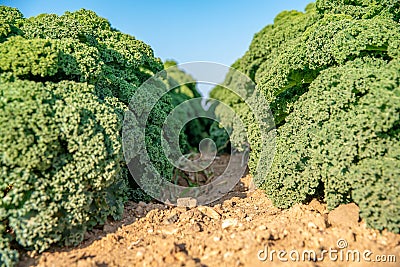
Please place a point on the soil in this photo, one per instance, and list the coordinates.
(233, 231)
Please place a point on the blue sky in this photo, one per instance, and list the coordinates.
(217, 31)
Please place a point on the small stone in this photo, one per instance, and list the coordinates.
(140, 253)
(228, 254)
(186, 202)
(217, 238)
(181, 256)
(344, 215)
(229, 223)
(312, 225)
(285, 233)
(262, 227)
(169, 230)
(210, 212)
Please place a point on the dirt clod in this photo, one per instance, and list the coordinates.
(344, 215)
(210, 212)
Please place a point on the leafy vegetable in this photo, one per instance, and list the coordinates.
(331, 75)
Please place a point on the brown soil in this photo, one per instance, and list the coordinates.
(230, 232)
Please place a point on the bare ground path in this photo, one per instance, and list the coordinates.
(231, 232)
